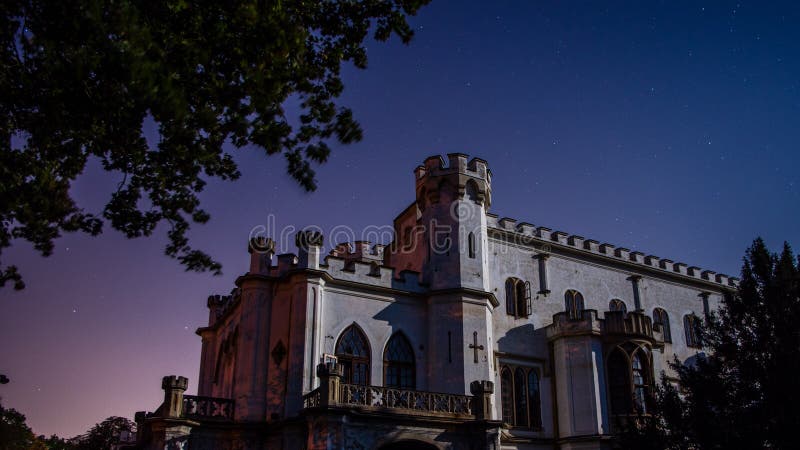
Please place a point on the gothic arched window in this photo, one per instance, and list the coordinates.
(507, 394)
(520, 397)
(573, 304)
(619, 383)
(353, 354)
(661, 318)
(398, 363)
(640, 376)
(617, 305)
(518, 297)
(691, 329)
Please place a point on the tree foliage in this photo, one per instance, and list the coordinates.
(105, 434)
(741, 393)
(15, 434)
(79, 79)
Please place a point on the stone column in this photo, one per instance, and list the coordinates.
(482, 391)
(174, 387)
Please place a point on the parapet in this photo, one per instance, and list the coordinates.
(524, 232)
(465, 177)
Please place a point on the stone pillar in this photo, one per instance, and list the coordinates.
(482, 391)
(330, 376)
(174, 387)
(309, 246)
(261, 250)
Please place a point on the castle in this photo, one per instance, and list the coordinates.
(467, 332)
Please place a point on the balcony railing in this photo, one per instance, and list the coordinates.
(428, 403)
(631, 324)
(207, 408)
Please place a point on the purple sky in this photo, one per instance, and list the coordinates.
(666, 127)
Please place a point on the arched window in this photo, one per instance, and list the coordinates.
(520, 396)
(617, 305)
(640, 375)
(471, 191)
(352, 352)
(619, 383)
(398, 363)
(471, 243)
(507, 395)
(573, 304)
(518, 297)
(661, 318)
(691, 328)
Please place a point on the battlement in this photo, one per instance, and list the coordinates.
(456, 163)
(548, 239)
(363, 251)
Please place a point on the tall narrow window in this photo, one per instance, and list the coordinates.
(573, 304)
(507, 394)
(619, 383)
(471, 242)
(691, 329)
(398, 363)
(639, 371)
(617, 305)
(518, 298)
(534, 400)
(352, 352)
(661, 319)
(520, 396)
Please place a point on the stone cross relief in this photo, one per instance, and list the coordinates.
(474, 346)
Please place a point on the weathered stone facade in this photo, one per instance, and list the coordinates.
(467, 332)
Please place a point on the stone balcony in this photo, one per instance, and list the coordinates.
(615, 325)
(333, 394)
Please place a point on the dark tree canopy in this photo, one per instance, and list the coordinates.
(741, 393)
(105, 434)
(79, 78)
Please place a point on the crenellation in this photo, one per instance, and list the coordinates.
(652, 261)
(286, 262)
(526, 228)
(622, 253)
(721, 278)
(733, 281)
(543, 233)
(560, 237)
(492, 220)
(508, 223)
(457, 161)
(637, 257)
(680, 268)
(480, 167)
(591, 245)
(667, 264)
(708, 275)
(607, 249)
(575, 241)
(693, 271)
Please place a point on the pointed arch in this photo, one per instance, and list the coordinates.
(353, 354)
(534, 400)
(399, 368)
(660, 317)
(518, 298)
(573, 304)
(640, 376)
(617, 305)
(691, 330)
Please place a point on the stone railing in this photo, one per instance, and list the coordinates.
(332, 393)
(629, 324)
(428, 403)
(207, 408)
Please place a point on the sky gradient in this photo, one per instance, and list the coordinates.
(670, 128)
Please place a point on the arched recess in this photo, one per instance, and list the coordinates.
(399, 364)
(471, 191)
(353, 354)
(661, 318)
(640, 377)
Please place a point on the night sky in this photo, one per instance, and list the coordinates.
(665, 127)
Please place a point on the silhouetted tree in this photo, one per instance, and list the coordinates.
(79, 80)
(105, 434)
(15, 434)
(741, 393)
